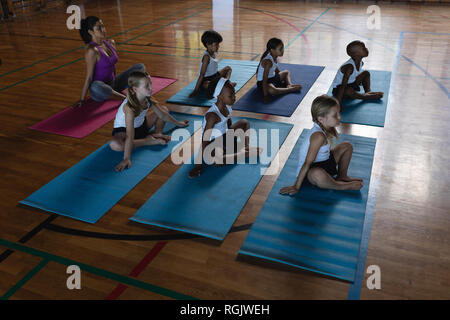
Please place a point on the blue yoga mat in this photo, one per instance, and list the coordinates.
(90, 188)
(209, 204)
(316, 229)
(282, 105)
(372, 113)
(242, 72)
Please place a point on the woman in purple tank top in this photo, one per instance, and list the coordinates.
(101, 58)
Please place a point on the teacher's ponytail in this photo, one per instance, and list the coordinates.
(86, 25)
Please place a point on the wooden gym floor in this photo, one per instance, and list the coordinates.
(43, 72)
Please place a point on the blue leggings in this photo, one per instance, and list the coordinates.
(101, 91)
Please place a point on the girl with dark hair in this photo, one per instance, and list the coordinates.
(101, 58)
(209, 74)
(269, 78)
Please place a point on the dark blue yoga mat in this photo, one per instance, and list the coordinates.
(282, 105)
(209, 204)
(242, 72)
(316, 229)
(372, 112)
(90, 188)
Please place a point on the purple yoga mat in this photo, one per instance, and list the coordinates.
(79, 122)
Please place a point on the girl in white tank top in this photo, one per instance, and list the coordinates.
(322, 155)
(273, 81)
(317, 162)
(207, 78)
(213, 65)
(217, 124)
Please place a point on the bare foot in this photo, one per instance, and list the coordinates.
(150, 140)
(162, 136)
(348, 179)
(295, 87)
(373, 95)
(354, 185)
(233, 84)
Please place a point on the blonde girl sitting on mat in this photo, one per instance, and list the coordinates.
(269, 78)
(133, 120)
(324, 167)
(217, 125)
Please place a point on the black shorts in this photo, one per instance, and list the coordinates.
(275, 80)
(352, 85)
(330, 165)
(139, 133)
(230, 149)
(212, 84)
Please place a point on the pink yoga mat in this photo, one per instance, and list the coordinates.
(79, 122)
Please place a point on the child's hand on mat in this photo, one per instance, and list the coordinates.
(197, 171)
(193, 94)
(124, 164)
(183, 123)
(79, 103)
(291, 190)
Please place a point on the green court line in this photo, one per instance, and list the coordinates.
(114, 35)
(159, 54)
(53, 69)
(175, 55)
(162, 27)
(38, 75)
(24, 280)
(40, 61)
(97, 271)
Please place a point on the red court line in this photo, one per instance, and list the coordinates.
(137, 270)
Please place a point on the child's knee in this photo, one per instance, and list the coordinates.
(115, 145)
(346, 146)
(365, 74)
(245, 124)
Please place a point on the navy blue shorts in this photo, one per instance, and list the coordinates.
(352, 85)
(212, 84)
(275, 80)
(330, 165)
(139, 133)
(224, 144)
